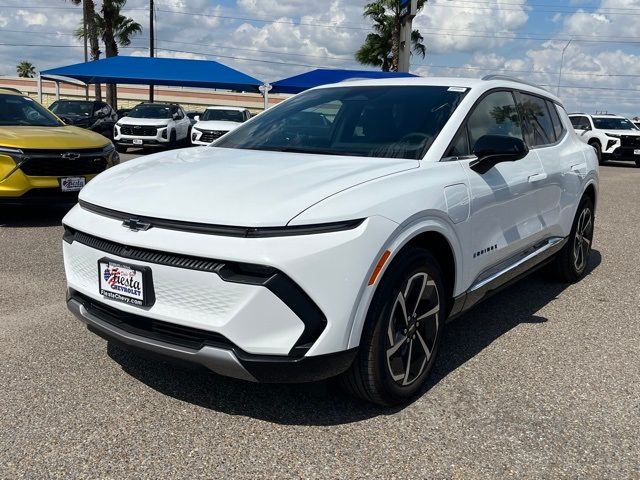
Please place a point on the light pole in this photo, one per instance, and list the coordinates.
(151, 44)
(86, 52)
(562, 64)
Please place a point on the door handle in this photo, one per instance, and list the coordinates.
(537, 177)
(580, 169)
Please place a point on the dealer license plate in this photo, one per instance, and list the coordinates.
(137, 141)
(636, 151)
(72, 184)
(125, 283)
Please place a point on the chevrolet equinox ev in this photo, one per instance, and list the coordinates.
(289, 251)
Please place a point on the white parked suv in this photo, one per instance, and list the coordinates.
(290, 252)
(215, 122)
(152, 125)
(612, 136)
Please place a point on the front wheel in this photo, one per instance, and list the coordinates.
(402, 331)
(638, 162)
(172, 140)
(121, 148)
(572, 261)
(598, 148)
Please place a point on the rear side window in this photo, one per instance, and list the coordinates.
(539, 130)
(558, 128)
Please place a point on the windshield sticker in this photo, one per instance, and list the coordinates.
(457, 89)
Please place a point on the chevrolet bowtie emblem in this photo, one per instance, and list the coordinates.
(136, 225)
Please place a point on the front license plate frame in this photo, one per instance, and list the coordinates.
(124, 291)
(137, 141)
(636, 151)
(72, 184)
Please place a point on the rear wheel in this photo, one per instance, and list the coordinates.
(572, 261)
(402, 331)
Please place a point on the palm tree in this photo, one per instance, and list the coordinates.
(382, 48)
(115, 29)
(89, 12)
(26, 69)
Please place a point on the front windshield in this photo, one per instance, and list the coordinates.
(613, 124)
(150, 111)
(72, 108)
(222, 115)
(23, 111)
(376, 121)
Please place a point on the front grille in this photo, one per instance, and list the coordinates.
(140, 130)
(630, 141)
(175, 334)
(50, 163)
(150, 256)
(211, 135)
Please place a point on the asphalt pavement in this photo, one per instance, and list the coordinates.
(541, 381)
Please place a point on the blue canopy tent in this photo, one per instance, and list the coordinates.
(321, 76)
(157, 71)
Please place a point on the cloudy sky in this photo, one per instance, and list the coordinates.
(271, 39)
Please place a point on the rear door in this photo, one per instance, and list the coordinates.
(505, 205)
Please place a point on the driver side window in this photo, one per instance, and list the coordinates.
(496, 114)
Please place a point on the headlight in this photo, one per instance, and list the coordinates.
(613, 135)
(7, 167)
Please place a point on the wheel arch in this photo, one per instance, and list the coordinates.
(435, 235)
(591, 192)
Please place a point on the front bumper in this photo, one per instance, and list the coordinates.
(622, 153)
(217, 354)
(160, 139)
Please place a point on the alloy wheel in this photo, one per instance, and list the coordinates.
(413, 329)
(582, 240)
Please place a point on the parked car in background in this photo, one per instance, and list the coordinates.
(612, 136)
(42, 160)
(215, 122)
(152, 125)
(123, 112)
(192, 117)
(92, 115)
(286, 252)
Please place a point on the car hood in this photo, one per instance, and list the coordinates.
(66, 137)
(217, 125)
(143, 121)
(632, 133)
(220, 186)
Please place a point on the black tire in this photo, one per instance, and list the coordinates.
(172, 140)
(572, 261)
(598, 148)
(379, 358)
(121, 148)
(637, 162)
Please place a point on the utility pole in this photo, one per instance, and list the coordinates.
(86, 50)
(408, 11)
(561, 65)
(151, 43)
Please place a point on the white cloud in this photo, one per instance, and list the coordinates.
(32, 18)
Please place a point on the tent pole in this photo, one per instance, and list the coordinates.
(39, 88)
(264, 89)
(57, 90)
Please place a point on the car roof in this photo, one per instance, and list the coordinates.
(11, 91)
(471, 83)
(239, 109)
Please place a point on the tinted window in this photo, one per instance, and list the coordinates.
(575, 121)
(23, 111)
(581, 123)
(558, 128)
(223, 115)
(377, 121)
(63, 107)
(613, 123)
(149, 110)
(539, 127)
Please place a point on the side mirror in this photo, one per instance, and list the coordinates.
(100, 114)
(197, 118)
(494, 149)
(587, 128)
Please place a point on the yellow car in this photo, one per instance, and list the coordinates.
(42, 160)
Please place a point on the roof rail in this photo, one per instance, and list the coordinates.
(512, 79)
(577, 113)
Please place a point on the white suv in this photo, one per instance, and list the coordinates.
(215, 122)
(290, 252)
(612, 136)
(152, 125)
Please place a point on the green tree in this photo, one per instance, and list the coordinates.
(26, 69)
(89, 12)
(115, 30)
(382, 48)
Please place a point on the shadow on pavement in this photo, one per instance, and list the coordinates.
(24, 217)
(323, 403)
